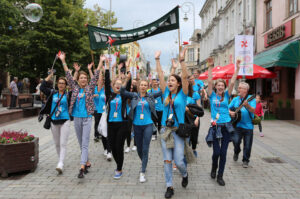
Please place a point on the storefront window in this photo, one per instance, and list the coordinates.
(293, 7)
(291, 82)
(269, 14)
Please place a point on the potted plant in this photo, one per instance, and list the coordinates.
(18, 152)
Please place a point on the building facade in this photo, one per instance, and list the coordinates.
(192, 56)
(278, 49)
(221, 20)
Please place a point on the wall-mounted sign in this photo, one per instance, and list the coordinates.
(280, 33)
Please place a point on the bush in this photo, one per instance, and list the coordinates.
(10, 137)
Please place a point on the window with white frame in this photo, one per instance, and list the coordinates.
(191, 54)
(268, 14)
(293, 7)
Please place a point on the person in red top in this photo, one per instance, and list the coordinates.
(259, 112)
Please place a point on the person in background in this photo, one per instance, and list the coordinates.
(259, 112)
(14, 92)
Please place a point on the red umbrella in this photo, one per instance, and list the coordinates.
(258, 72)
(226, 72)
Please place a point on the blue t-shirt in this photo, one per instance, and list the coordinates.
(198, 85)
(142, 113)
(99, 100)
(158, 101)
(63, 106)
(193, 99)
(79, 109)
(246, 121)
(220, 107)
(115, 113)
(179, 104)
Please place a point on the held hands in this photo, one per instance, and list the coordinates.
(157, 54)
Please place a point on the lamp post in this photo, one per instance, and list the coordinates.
(188, 5)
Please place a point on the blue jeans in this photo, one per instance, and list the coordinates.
(176, 154)
(220, 147)
(247, 136)
(142, 137)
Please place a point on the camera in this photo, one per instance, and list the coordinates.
(170, 122)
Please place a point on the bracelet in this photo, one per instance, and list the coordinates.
(157, 58)
(64, 64)
(182, 60)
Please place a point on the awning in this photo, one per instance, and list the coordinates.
(287, 55)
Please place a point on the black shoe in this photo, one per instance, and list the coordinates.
(213, 172)
(85, 171)
(220, 181)
(185, 181)
(169, 193)
(235, 157)
(245, 164)
(80, 175)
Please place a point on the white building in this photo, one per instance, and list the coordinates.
(221, 21)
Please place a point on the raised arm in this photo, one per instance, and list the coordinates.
(210, 63)
(184, 72)
(107, 82)
(174, 66)
(160, 72)
(69, 77)
(46, 90)
(90, 69)
(232, 81)
(77, 68)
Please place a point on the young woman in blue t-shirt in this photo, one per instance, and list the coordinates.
(220, 118)
(141, 112)
(57, 102)
(175, 97)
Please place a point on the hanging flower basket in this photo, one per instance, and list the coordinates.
(19, 151)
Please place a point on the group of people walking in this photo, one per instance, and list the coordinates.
(146, 107)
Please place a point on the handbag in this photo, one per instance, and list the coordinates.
(102, 126)
(47, 123)
(256, 120)
(184, 130)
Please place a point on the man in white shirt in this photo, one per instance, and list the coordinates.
(14, 92)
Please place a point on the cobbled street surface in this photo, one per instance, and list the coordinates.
(260, 180)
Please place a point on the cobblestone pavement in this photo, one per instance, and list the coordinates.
(260, 180)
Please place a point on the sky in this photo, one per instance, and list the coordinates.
(128, 11)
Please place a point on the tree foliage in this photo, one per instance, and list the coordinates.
(28, 49)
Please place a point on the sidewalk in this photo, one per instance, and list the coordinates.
(260, 180)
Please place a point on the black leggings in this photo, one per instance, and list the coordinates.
(158, 123)
(97, 134)
(128, 134)
(116, 138)
(194, 136)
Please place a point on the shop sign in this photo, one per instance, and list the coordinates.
(280, 33)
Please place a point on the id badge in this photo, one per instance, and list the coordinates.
(141, 116)
(115, 114)
(59, 108)
(170, 116)
(156, 102)
(217, 116)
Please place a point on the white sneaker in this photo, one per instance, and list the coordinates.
(127, 150)
(59, 168)
(108, 157)
(153, 137)
(134, 148)
(105, 153)
(142, 177)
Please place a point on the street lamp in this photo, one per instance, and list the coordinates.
(188, 5)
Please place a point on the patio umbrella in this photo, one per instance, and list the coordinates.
(226, 72)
